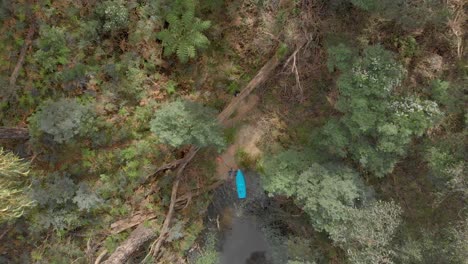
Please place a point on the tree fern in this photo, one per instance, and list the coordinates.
(184, 33)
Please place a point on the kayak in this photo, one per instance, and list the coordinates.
(240, 183)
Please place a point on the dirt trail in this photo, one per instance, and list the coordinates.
(247, 137)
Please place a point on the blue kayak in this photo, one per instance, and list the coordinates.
(240, 183)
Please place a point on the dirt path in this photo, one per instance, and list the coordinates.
(246, 139)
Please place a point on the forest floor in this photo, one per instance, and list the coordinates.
(249, 133)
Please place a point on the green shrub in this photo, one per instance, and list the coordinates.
(245, 160)
(60, 202)
(114, 14)
(52, 48)
(325, 192)
(339, 57)
(280, 171)
(187, 123)
(184, 34)
(62, 119)
(208, 255)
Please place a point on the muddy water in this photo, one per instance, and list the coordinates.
(240, 224)
(244, 242)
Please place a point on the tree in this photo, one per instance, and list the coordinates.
(338, 202)
(184, 33)
(62, 119)
(376, 126)
(366, 234)
(182, 123)
(13, 186)
(325, 192)
(435, 245)
(322, 191)
(281, 171)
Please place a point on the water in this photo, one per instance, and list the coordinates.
(240, 224)
(244, 243)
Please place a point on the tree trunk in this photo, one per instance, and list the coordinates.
(13, 133)
(137, 238)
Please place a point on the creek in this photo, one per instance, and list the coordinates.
(246, 229)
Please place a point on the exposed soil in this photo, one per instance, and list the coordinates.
(246, 139)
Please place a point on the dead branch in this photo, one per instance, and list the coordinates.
(294, 69)
(136, 239)
(183, 200)
(23, 51)
(134, 220)
(100, 257)
(168, 166)
(156, 246)
(457, 22)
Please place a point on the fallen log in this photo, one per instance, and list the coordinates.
(154, 250)
(137, 238)
(13, 133)
(120, 256)
(24, 49)
(134, 220)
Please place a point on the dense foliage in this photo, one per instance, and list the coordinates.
(367, 233)
(377, 125)
(63, 119)
(182, 123)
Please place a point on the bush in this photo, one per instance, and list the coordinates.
(326, 192)
(187, 123)
(60, 202)
(62, 119)
(208, 255)
(53, 50)
(114, 14)
(339, 57)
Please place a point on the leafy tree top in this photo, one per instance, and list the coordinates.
(366, 234)
(376, 126)
(325, 192)
(182, 123)
(184, 33)
(281, 171)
